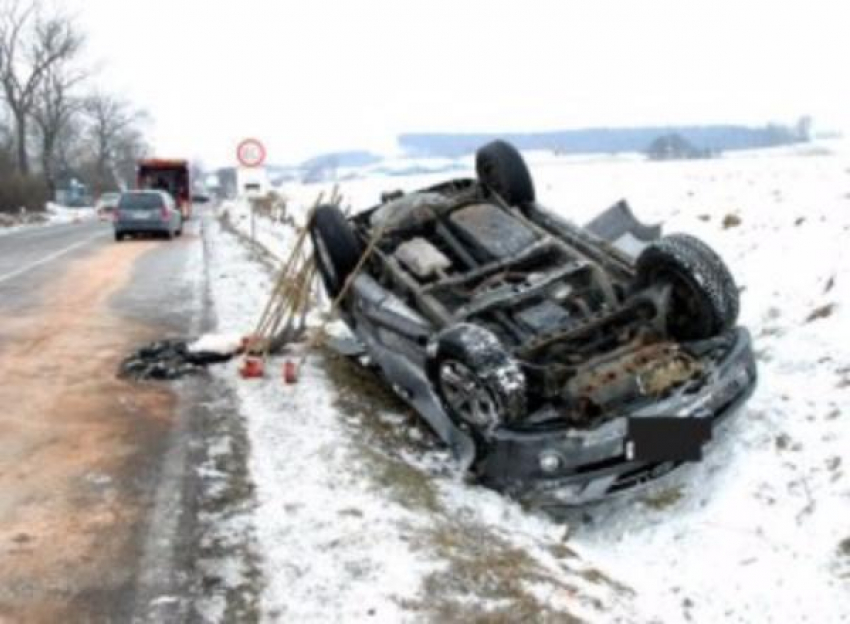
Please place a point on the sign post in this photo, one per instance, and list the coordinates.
(251, 154)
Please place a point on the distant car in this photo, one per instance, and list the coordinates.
(106, 206)
(147, 212)
(561, 364)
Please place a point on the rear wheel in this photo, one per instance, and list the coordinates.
(704, 299)
(479, 382)
(119, 237)
(336, 245)
(502, 169)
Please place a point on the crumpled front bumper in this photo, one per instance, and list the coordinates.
(593, 464)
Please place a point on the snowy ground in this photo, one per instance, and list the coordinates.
(360, 514)
(54, 214)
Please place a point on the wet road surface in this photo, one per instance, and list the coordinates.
(95, 502)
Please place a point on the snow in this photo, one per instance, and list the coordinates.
(358, 515)
(57, 214)
(313, 519)
(755, 530)
(223, 344)
(351, 525)
(274, 237)
(54, 214)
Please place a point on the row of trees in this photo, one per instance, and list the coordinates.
(55, 122)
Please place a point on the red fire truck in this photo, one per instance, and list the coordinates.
(171, 175)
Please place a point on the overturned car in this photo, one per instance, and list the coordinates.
(536, 348)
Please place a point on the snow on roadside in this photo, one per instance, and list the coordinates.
(360, 515)
(53, 214)
(273, 236)
(756, 532)
(57, 214)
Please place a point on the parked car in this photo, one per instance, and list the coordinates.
(106, 206)
(541, 352)
(147, 212)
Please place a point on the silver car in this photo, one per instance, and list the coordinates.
(147, 212)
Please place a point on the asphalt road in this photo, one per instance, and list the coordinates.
(29, 258)
(96, 486)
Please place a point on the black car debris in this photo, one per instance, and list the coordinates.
(548, 357)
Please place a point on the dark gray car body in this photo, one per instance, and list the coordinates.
(593, 462)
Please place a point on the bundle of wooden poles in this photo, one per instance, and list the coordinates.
(284, 316)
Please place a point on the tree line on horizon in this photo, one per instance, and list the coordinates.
(709, 139)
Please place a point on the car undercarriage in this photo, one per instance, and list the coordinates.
(504, 324)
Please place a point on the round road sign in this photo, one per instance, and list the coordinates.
(251, 153)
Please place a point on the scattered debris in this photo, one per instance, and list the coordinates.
(829, 284)
(290, 372)
(663, 499)
(172, 359)
(799, 221)
(252, 368)
(704, 217)
(822, 312)
(730, 221)
(782, 441)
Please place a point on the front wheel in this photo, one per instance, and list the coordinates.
(479, 383)
(704, 299)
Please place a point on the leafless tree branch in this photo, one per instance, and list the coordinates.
(32, 42)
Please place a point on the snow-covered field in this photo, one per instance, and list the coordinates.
(360, 516)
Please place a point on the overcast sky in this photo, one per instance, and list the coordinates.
(308, 76)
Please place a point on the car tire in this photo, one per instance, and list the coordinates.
(118, 237)
(478, 381)
(704, 299)
(502, 169)
(337, 248)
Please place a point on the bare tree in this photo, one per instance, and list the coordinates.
(54, 108)
(31, 43)
(112, 126)
(130, 147)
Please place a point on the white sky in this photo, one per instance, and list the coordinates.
(308, 76)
